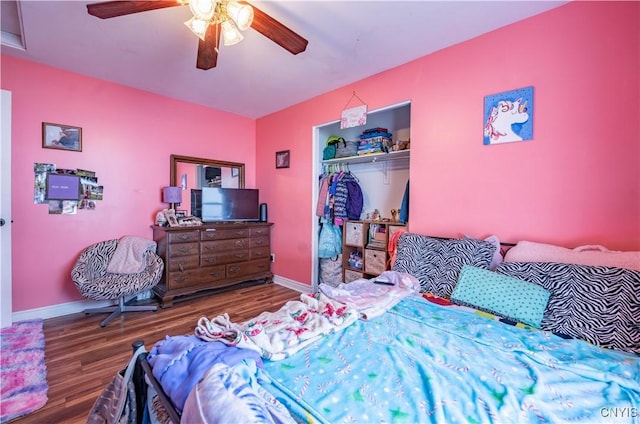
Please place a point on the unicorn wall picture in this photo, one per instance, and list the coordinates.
(508, 116)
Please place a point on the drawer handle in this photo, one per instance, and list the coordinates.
(214, 274)
(210, 260)
(240, 232)
(259, 242)
(184, 249)
(181, 267)
(233, 269)
(239, 243)
(262, 266)
(240, 255)
(260, 231)
(183, 237)
(181, 279)
(210, 247)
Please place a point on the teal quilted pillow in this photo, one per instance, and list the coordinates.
(501, 295)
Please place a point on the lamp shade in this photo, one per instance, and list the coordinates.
(172, 195)
(241, 14)
(230, 33)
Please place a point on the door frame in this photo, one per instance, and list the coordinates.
(6, 310)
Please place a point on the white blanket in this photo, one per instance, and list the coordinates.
(276, 335)
(370, 299)
(128, 257)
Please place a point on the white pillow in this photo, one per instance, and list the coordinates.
(594, 255)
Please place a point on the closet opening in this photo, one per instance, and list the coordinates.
(382, 175)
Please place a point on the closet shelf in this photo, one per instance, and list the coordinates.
(375, 157)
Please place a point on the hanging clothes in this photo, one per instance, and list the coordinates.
(322, 195)
(348, 198)
(339, 197)
(404, 208)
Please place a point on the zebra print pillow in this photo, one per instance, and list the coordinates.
(436, 263)
(594, 303)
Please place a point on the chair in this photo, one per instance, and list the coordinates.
(94, 282)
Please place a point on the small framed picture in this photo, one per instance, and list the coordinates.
(180, 214)
(62, 137)
(170, 216)
(282, 159)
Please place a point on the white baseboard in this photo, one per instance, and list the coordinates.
(54, 311)
(291, 284)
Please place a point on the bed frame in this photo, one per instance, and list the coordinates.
(142, 379)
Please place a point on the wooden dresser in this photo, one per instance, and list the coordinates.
(211, 256)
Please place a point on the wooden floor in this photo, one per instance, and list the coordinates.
(82, 357)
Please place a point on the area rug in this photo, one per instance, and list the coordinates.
(23, 371)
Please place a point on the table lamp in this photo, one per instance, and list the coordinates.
(172, 195)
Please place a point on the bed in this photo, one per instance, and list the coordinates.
(427, 346)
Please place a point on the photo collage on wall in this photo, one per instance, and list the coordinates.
(65, 190)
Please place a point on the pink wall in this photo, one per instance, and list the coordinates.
(128, 136)
(577, 182)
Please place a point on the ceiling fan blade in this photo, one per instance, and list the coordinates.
(277, 32)
(209, 48)
(111, 9)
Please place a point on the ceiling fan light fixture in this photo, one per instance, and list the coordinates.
(198, 27)
(241, 14)
(230, 33)
(203, 9)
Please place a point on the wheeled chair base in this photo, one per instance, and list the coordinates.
(118, 309)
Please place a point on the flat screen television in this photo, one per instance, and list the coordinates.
(228, 204)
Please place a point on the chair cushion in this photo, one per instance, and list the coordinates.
(94, 282)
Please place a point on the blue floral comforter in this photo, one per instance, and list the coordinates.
(421, 362)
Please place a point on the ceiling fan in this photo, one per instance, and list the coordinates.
(212, 20)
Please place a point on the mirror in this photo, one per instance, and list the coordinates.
(195, 173)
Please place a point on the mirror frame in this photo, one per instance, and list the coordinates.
(173, 177)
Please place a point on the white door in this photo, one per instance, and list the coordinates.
(5, 211)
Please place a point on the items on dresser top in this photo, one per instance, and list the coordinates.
(211, 256)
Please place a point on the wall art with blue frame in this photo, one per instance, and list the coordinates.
(508, 116)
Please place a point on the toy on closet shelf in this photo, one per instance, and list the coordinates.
(401, 145)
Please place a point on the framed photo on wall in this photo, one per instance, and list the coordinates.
(62, 137)
(282, 159)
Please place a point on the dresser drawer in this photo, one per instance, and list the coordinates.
(374, 261)
(225, 258)
(220, 246)
(223, 233)
(214, 273)
(260, 231)
(184, 249)
(248, 268)
(259, 241)
(354, 234)
(183, 236)
(184, 263)
(260, 252)
(178, 280)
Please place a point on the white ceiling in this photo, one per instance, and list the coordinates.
(348, 40)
